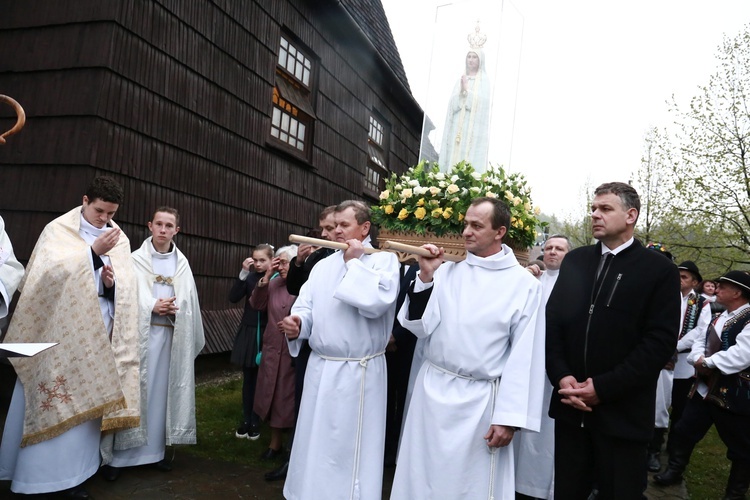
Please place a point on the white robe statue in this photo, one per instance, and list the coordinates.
(466, 132)
(347, 312)
(484, 365)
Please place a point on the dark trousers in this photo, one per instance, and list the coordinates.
(680, 390)
(249, 380)
(586, 459)
(733, 429)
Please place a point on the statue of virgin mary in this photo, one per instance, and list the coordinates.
(467, 122)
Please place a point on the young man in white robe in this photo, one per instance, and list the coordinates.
(171, 336)
(483, 373)
(79, 290)
(535, 451)
(11, 272)
(346, 311)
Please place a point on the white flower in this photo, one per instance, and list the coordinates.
(385, 194)
(477, 176)
(398, 187)
(475, 190)
(434, 191)
(442, 184)
(414, 183)
(406, 194)
(490, 194)
(420, 190)
(440, 176)
(454, 178)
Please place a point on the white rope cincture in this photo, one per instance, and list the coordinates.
(492, 450)
(357, 448)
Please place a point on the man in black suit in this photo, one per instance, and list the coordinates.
(612, 323)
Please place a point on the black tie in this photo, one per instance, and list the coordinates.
(602, 272)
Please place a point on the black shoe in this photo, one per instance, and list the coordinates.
(77, 492)
(242, 431)
(110, 473)
(270, 454)
(254, 433)
(668, 477)
(654, 464)
(163, 465)
(277, 474)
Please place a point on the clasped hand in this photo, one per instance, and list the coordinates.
(580, 395)
(166, 307)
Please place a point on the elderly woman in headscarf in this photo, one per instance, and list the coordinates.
(274, 396)
(467, 122)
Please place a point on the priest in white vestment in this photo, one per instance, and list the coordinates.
(80, 291)
(483, 374)
(535, 451)
(171, 336)
(11, 272)
(346, 311)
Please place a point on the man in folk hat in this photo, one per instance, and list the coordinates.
(721, 394)
(676, 378)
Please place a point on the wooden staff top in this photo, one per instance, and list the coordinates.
(388, 245)
(21, 117)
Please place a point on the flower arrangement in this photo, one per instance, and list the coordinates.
(425, 199)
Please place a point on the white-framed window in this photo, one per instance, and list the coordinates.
(295, 62)
(292, 112)
(376, 169)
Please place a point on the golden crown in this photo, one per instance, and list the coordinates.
(476, 39)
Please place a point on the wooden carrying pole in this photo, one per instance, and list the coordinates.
(20, 121)
(388, 245)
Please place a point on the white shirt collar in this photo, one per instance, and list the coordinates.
(615, 251)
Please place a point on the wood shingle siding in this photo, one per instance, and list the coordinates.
(173, 99)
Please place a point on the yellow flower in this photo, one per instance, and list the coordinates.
(516, 201)
(420, 203)
(385, 194)
(447, 213)
(490, 194)
(403, 214)
(452, 189)
(388, 209)
(509, 196)
(437, 212)
(527, 206)
(460, 217)
(537, 210)
(420, 213)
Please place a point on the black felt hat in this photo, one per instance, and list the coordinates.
(689, 265)
(738, 278)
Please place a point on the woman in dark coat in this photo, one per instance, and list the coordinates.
(246, 342)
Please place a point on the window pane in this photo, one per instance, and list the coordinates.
(284, 43)
(275, 132)
(285, 122)
(276, 120)
(306, 77)
(284, 136)
(301, 131)
(293, 128)
(282, 58)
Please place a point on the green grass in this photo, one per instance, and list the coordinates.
(708, 471)
(218, 413)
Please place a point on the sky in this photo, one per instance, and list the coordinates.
(581, 82)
